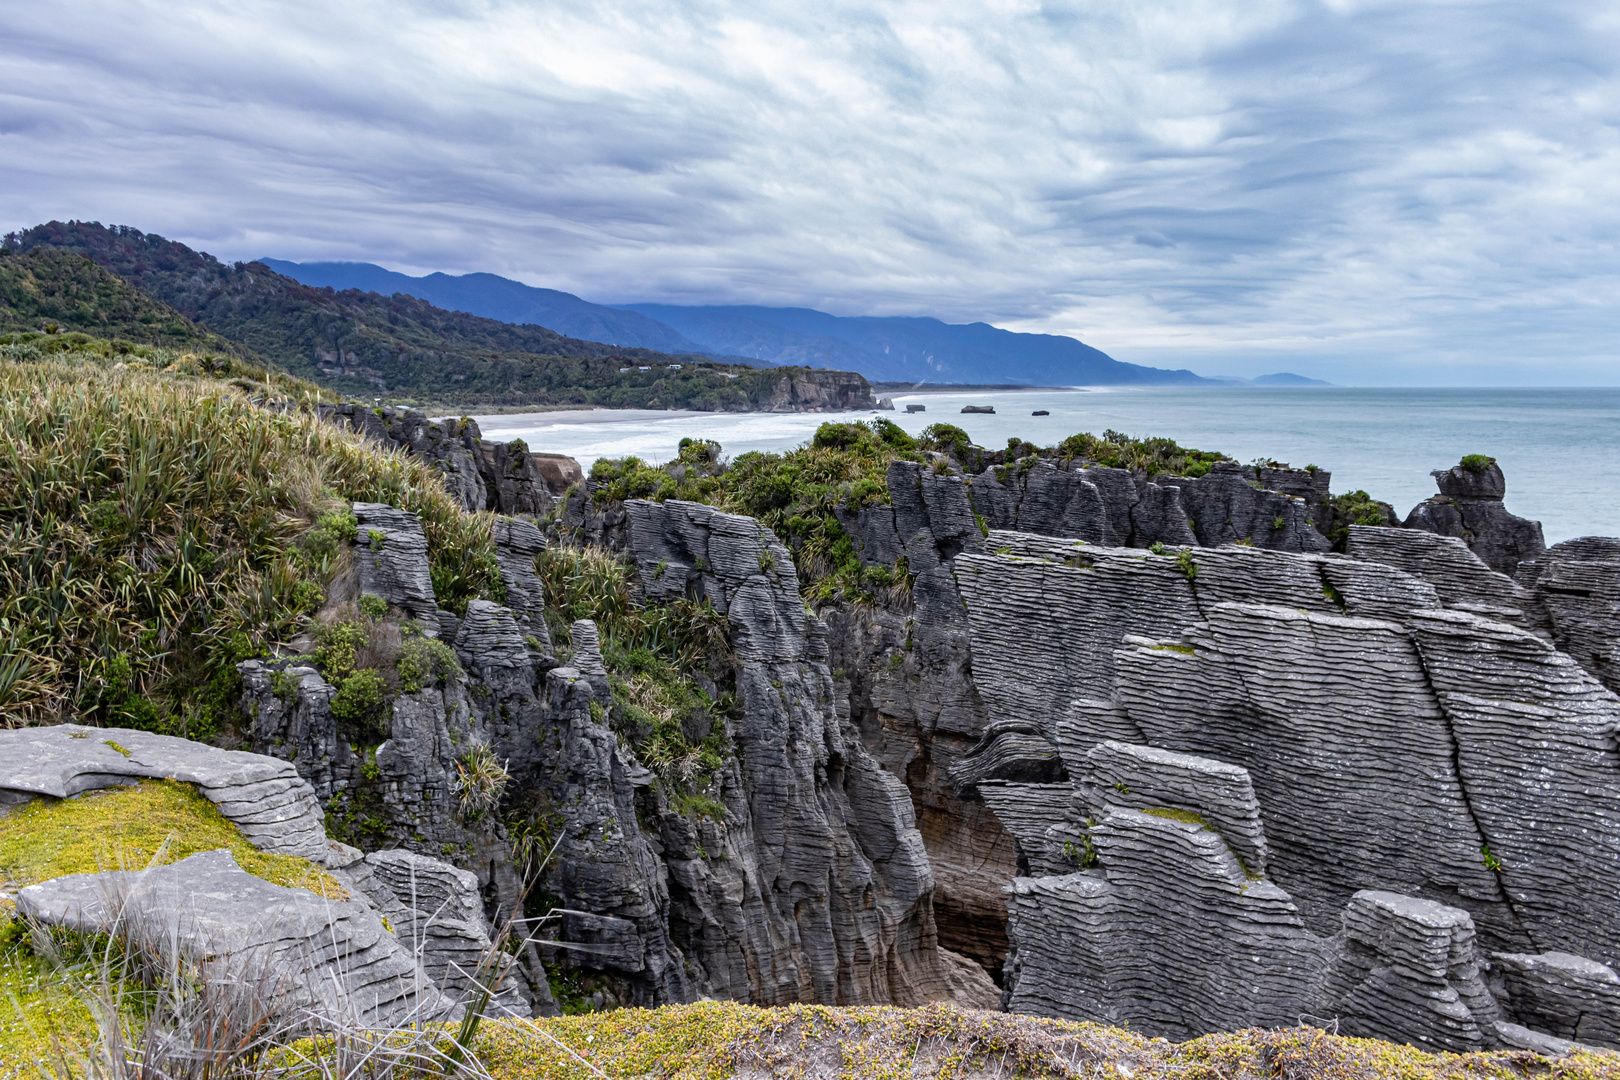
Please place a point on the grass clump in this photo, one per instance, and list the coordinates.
(157, 527)
(1355, 508)
(1151, 456)
(1477, 463)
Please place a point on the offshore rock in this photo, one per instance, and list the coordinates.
(330, 958)
(391, 556)
(1470, 508)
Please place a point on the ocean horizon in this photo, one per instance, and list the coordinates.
(1559, 448)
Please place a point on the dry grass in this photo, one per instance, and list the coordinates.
(714, 1040)
(149, 528)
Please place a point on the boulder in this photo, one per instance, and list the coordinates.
(332, 960)
(1470, 508)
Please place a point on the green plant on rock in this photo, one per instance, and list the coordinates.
(373, 606)
(1186, 564)
(1477, 463)
(424, 661)
(360, 705)
(481, 780)
(1354, 508)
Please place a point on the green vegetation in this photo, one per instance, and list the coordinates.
(715, 1040)
(159, 526)
(126, 828)
(674, 727)
(1184, 816)
(801, 494)
(1355, 508)
(1477, 463)
(54, 293)
(347, 340)
(1492, 863)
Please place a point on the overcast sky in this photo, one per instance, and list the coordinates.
(1403, 192)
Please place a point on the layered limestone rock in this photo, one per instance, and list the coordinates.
(391, 558)
(1331, 757)
(267, 799)
(482, 475)
(1576, 587)
(1470, 508)
(1274, 508)
(319, 961)
(837, 904)
(445, 927)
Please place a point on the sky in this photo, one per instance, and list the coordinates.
(1389, 193)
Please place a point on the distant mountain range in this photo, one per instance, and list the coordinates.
(884, 349)
(119, 282)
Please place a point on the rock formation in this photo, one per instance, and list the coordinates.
(333, 958)
(1305, 786)
(1470, 507)
(481, 474)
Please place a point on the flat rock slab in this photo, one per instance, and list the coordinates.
(275, 808)
(332, 959)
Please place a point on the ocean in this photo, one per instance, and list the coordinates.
(1560, 449)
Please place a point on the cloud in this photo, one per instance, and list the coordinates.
(1411, 192)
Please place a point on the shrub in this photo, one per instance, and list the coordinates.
(358, 706)
(1477, 463)
(373, 606)
(424, 661)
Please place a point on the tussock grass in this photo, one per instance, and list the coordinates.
(714, 1040)
(150, 526)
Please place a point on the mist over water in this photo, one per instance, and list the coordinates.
(1559, 448)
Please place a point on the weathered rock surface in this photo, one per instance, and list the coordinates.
(446, 927)
(517, 543)
(330, 958)
(1330, 758)
(482, 475)
(1470, 508)
(392, 560)
(1576, 587)
(1566, 996)
(267, 799)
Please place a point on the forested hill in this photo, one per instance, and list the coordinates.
(48, 287)
(364, 343)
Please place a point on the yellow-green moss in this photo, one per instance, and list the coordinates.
(1174, 814)
(35, 1013)
(714, 1040)
(123, 828)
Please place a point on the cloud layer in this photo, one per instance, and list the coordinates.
(1401, 192)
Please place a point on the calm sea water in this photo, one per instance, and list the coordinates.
(1559, 448)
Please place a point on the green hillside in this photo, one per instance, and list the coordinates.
(364, 344)
(48, 288)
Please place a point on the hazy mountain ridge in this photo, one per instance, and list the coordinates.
(364, 344)
(495, 297)
(886, 348)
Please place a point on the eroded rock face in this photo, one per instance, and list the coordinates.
(1365, 774)
(1576, 586)
(391, 558)
(267, 799)
(482, 475)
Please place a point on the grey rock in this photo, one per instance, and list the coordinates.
(1457, 574)
(1409, 971)
(273, 806)
(1470, 508)
(517, 543)
(446, 927)
(587, 649)
(1145, 777)
(1569, 997)
(391, 556)
(1576, 585)
(332, 958)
